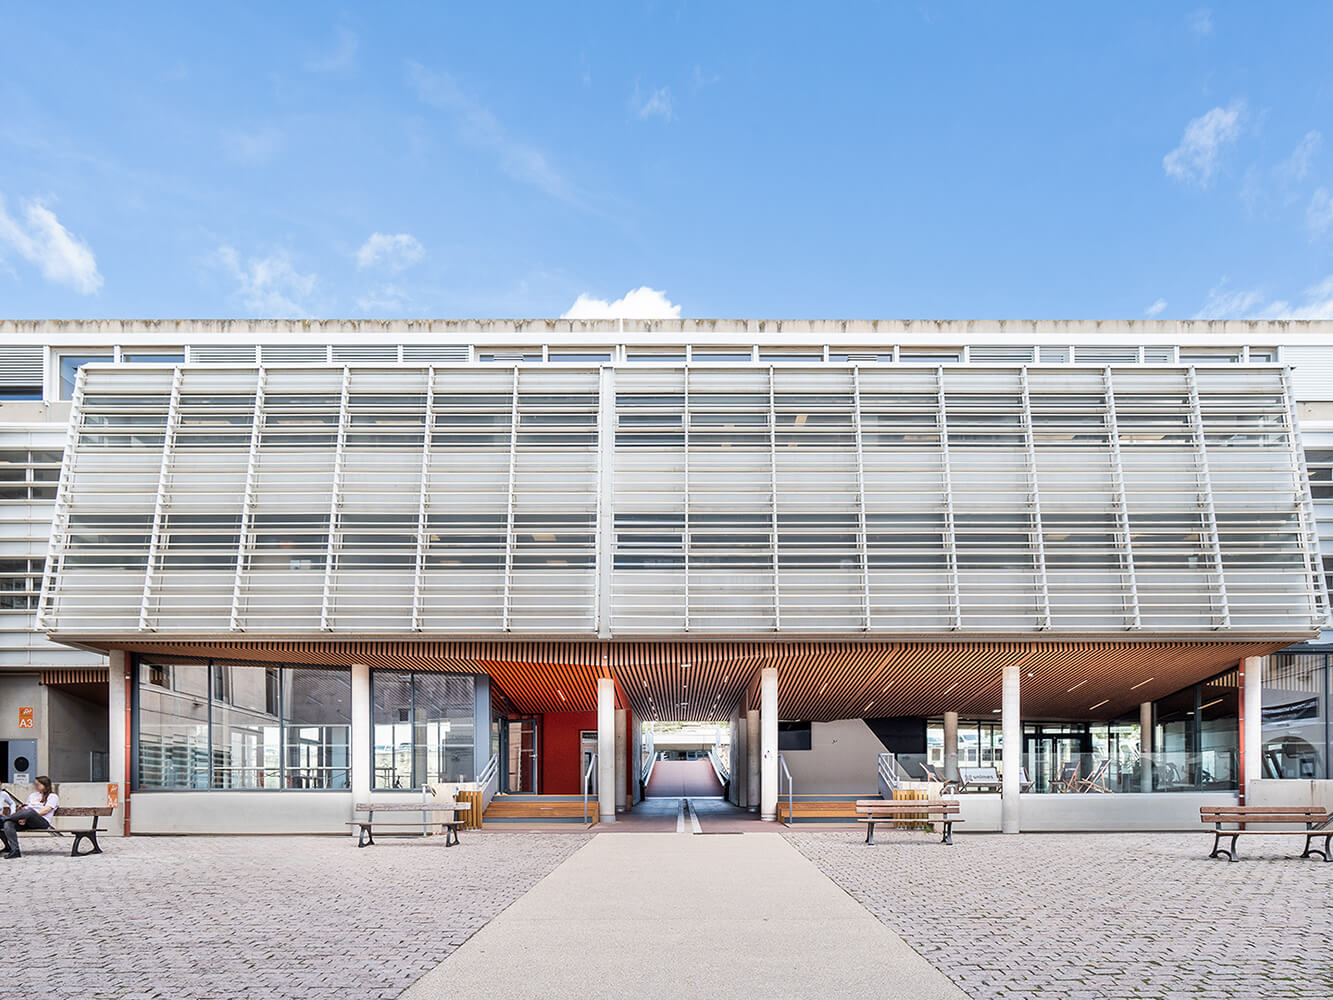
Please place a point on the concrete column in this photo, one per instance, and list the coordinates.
(1011, 726)
(606, 749)
(951, 745)
(622, 759)
(1251, 721)
(1145, 746)
(636, 761)
(768, 735)
(118, 737)
(481, 724)
(752, 760)
(362, 734)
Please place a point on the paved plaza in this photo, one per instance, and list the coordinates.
(1097, 915)
(652, 914)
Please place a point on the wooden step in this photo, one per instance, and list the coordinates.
(819, 809)
(535, 809)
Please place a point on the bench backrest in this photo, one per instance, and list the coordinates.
(84, 811)
(871, 807)
(1263, 814)
(365, 807)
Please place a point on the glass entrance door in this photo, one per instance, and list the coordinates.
(1054, 753)
(518, 744)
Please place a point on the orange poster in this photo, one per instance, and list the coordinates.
(112, 795)
(25, 717)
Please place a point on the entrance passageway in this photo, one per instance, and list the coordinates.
(683, 778)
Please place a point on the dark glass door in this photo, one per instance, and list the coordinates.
(518, 748)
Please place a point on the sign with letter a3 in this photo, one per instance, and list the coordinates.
(25, 717)
(112, 796)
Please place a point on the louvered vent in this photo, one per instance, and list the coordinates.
(1159, 355)
(222, 354)
(275, 354)
(365, 352)
(993, 353)
(1119, 355)
(21, 367)
(1311, 371)
(1055, 355)
(435, 352)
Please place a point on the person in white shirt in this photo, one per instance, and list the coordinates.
(35, 815)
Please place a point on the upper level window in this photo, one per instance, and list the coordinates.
(930, 355)
(526, 354)
(1262, 355)
(576, 354)
(790, 354)
(69, 370)
(20, 392)
(722, 354)
(657, 355)
(152, 358)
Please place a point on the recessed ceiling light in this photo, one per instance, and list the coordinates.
(1141, 683)
(1099, 704)
(1076, 686)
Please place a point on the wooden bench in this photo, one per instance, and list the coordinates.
(1316, 822)
(450, 825)
(907, 813)
(84, 831)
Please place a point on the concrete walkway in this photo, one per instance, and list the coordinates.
(654, 915)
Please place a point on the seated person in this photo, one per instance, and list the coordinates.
(35, 815)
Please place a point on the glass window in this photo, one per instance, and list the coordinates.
(69, 370)
(1295, 714)
(21, 392)
(173, 726)
(246, 743)
(317, 728)
(423, 728)
(151, 358)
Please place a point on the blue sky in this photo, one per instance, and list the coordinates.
(844, 160)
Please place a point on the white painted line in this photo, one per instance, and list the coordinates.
(694, 820)
(680, 816)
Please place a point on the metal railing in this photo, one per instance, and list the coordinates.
(489, 780)
(587, 782)
(719, 767)
(887, 775)
(782, 769)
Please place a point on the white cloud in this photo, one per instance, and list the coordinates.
(1297, 166)
(699, 80)
(654, 104)
(478, 127)
(1316, 302)
(396, 252)
(267, 286)
(341, 56)
(1319, 213)
(1201, 21)
(1225, 302)
(254, 147)
(1195, 159)
(41, 240)
(385, 299)
(1156, 308)
(642, 303)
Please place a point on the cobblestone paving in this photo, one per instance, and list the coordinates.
(1096, 915)
(214, 918)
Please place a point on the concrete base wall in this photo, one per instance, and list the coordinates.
(1272, 792)
(1121, 813)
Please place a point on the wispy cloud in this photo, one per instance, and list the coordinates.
(41, 240)
(1224, 302)
(1195, 160)
(699, 80)
(653, 104)
(395, 252)
(642, 303)
(1296, 167)
(341, 55)
(1201, 21)
(252, 147)
(385, 299)
(1319, 213)
(479, 128)
(267, 286)
(1156, 308)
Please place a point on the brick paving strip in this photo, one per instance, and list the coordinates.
(234, 918)
(1097, 916)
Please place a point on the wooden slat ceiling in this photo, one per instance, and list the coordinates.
(817, 681)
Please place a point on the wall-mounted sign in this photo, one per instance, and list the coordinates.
(25, 716)
(112, 796)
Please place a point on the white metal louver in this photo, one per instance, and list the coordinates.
(1118, 354)
(21, 366)
(344, 353)
(435, 352)
(275, 354)
(1311, 371)
(226, 354)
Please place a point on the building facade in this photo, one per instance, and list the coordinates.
(314, 562)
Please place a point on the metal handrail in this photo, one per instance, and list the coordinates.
(782, 769)
(489, 780)
(648, 770)
(587, 780)
(887, 772)
(719, 768)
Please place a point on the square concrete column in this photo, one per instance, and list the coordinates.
(606, 749)
(1011, 726)
(622, 759)
(768, 735)
(752, 760)
(951, 745)
(362, 734)
(118, 754)
(1145, 746)
(1251, 722)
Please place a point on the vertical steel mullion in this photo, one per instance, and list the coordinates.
(509, 505)
(59, 540)
(950, 534)
(244, 541)
(1034, 502)
(1314, 566)
(685, 525)
(160, 502)
(1210, 510)
(773, 483)
(423, 501)
(604, 499)
(862, 535)
(1122, 500)
(335, 502)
